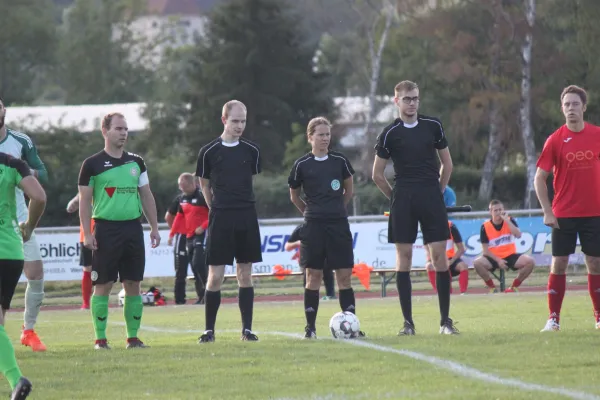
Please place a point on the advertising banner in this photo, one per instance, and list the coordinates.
(60, 251)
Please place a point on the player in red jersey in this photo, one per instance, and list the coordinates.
(572, 153)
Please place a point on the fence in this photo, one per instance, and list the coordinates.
(60, 246)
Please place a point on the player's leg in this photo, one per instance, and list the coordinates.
(131, 271)
(461, 269)
(181, 267)
(589, 235)
(430, 274)
(199, 267)
(10, 272)
(248, 250)
(522, 263)
(431, 213)
(564, 241)
(484, 265)
(105, 272)
(220, 251)
(403, 227)
(34, 294)
(329, 283)
(312, 259)
(85, 261)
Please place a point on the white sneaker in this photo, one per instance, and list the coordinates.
(552, 325)
(598, 325)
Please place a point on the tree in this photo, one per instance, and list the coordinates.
(27, 43)
(526, 126)
(98, 53)
(255, 51)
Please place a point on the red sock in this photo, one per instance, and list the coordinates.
(516, 283)
(556, 293)
(594, 289)
(86, 288)
(490, 283)
(463, 281)
(431, 275)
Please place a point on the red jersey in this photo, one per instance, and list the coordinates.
(574, 158)
(195, 210)
(179, 226)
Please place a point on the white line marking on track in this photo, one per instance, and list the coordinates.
(451, 366)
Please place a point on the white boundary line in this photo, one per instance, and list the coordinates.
(451, 366)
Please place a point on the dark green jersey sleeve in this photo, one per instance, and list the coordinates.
(32, 158)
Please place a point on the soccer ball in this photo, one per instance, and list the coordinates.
(147, 298)
(344, 325)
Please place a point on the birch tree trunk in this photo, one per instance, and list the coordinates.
(526, 128)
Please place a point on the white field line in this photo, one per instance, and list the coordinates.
(451, 366)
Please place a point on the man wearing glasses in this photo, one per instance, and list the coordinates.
(414, 142)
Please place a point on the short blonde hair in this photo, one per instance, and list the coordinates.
(312, 125)
(405, 86)
(107, 120)
(186, 176)
(229, 105)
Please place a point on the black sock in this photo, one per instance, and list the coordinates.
(311, 306)
(404, 286)
(442, 281)
(347, 301)
(246, 303)
(212, 301)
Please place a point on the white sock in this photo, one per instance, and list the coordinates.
(34, 295)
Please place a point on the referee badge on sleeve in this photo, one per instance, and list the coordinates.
(335, 184)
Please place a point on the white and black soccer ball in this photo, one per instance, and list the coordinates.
(344, 325)
(147, 298)
(122, 297)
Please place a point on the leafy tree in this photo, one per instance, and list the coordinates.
(101, 57)
(255, 51)
(27, 43)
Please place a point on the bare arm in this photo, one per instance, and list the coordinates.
(348, 190)
(446, 168)
(460, 250)
(37, 200)
(86, 194)
(541, 190)
(296, 200)
(289, 246)
(73, 204)
(514, 230)
(169, 218)
(379, 177)
(205, 186)
(149, 206)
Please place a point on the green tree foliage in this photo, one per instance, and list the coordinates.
(101, 57)
(27, 47)
(255, 51)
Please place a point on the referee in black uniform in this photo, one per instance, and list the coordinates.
(226, 167)
(326, 179)
(414, 142)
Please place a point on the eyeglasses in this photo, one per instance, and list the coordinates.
(408, 100)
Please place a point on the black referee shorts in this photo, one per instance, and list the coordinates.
(326, 240)
(411, 206)
(10, 273)
(233, 234)
(121, 252)
(85, 256)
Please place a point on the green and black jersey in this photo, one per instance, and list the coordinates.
(115, 182)
(12, 171)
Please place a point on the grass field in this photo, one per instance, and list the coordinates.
(500, 354)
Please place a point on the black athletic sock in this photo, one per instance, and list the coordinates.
(212, 302)
(347, 301)
(246, 303)
(442, 281)
(404, 286)
(311, 306)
